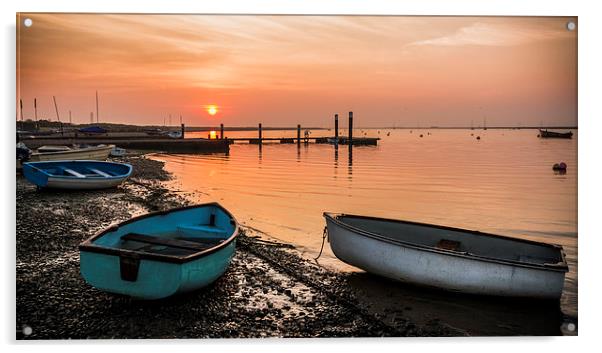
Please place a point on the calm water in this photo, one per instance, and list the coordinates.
(502, 184)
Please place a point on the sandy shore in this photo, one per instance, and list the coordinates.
(268, 291)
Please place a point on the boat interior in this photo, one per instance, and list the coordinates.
(82, 172)
(459, 241)
(87, 169)
(186, 240)
(180, 233)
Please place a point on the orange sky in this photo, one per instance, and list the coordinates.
(284, 70)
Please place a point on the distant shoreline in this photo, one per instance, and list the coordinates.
(28, 126)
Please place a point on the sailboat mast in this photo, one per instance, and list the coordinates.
(97, 107)
(56, 109)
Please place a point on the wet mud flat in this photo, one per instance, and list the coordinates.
(270, 289)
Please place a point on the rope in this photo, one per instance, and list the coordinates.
(324, 235)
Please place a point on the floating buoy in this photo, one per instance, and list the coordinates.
(559, 166)
(471, 134)
(478, 137)
(420, 135)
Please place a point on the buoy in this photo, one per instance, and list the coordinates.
(478, 137)
(420, 135)
(559, 166)
(471, 134)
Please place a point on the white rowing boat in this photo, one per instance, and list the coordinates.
(448, 258)
(97, 153)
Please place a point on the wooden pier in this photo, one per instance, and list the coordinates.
(334, 140)
(142, 143)
(342, 140)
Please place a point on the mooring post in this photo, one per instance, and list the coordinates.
(182, 130)
(336, 130)
(221, 131)
(298, 134)
(260, 133)
(350, 128)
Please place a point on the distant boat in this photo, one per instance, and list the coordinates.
(163, 253)
(154, 132)
(453, 259)
(76, 175)
(552, 134)
(175, 134)
(93, 130)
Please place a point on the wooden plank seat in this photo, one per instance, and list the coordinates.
(99, 172)
(73, 173)
(173, 243)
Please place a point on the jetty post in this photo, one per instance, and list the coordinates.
(221, 131)
(350, 129)
(35, 111)
(299, 135)
(260, 133)
(336, 131)
(183, 128)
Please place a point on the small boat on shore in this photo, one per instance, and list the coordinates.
(448, 258)
(162, 253)
(48, 153)
(553, 134)
(76, 175)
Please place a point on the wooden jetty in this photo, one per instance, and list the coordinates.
(140, 143)
(335, 140)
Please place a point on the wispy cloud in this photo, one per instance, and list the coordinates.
(496, 34)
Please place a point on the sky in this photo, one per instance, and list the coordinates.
(289, 70)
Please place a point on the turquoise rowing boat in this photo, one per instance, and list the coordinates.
(162, 253)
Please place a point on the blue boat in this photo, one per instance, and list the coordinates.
(76, 175)
(160, 254)
(93, 130)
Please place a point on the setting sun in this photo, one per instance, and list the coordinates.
(212, 109)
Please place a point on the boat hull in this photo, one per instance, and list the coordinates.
(552, 134)
(83, 184)
(440, 269)
(90, 153)
(156, 279)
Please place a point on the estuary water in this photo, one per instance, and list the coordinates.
(502, 183)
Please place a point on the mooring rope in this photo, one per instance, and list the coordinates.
(324, 235)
